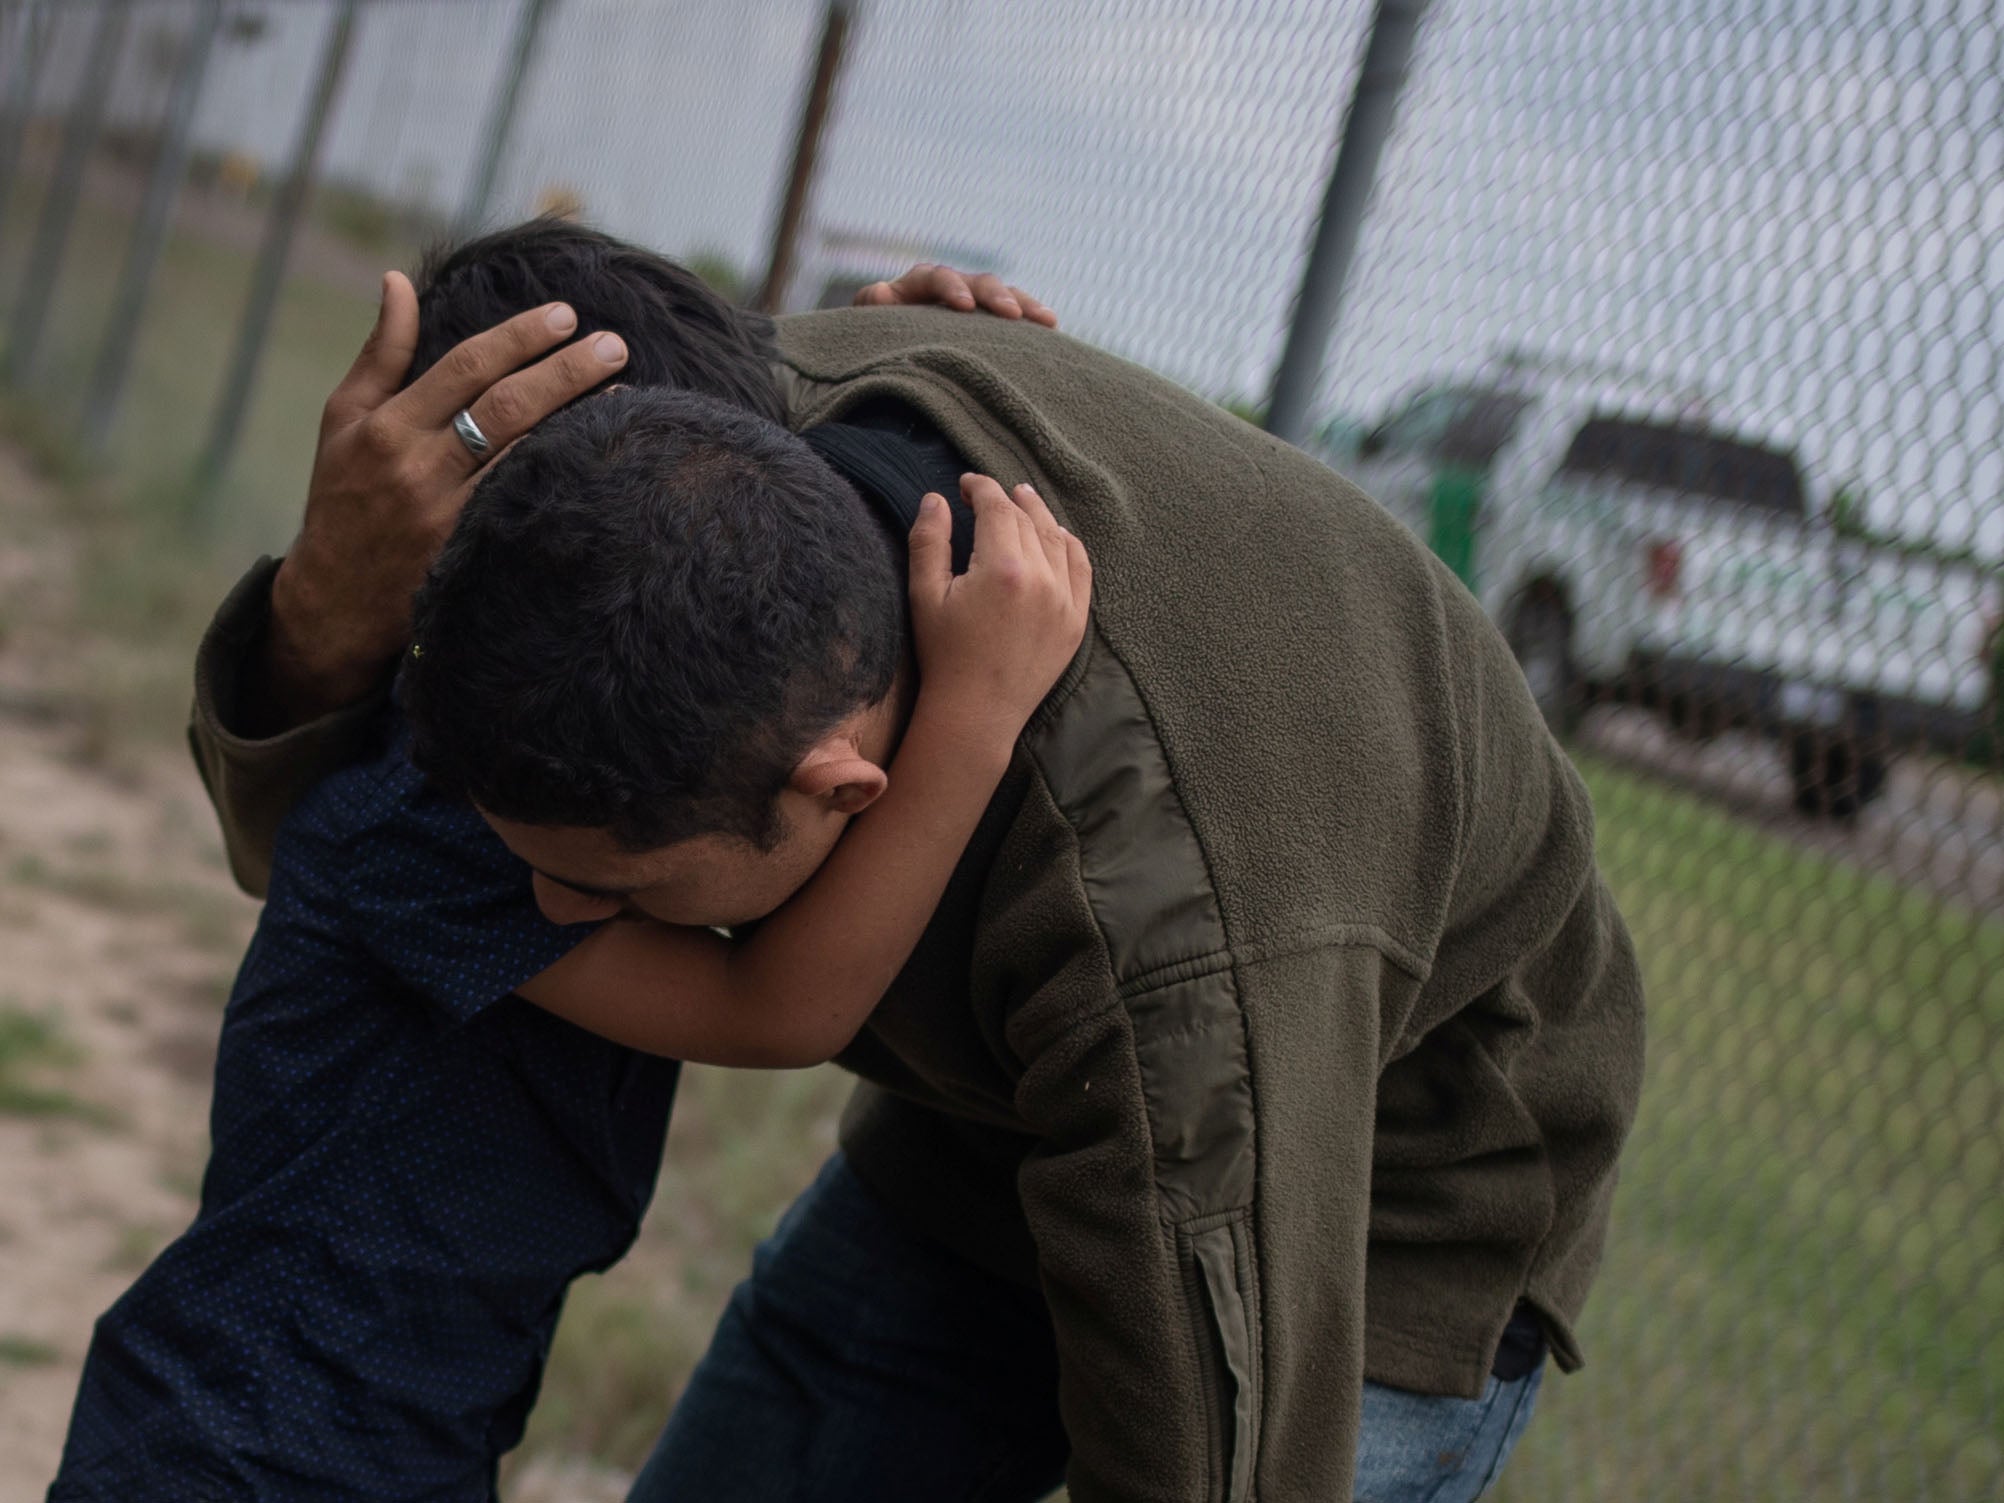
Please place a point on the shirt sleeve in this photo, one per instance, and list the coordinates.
(253, 782)
(438, 899)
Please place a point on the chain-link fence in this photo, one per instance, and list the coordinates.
(1675, 329)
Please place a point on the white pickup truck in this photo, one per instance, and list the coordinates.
(1629, 545)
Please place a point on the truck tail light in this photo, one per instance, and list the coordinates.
(1663, 562)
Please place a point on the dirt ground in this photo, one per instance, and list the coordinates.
(120, 930)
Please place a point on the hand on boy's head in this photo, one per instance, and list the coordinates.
(942, 285)
(390, 475)
(991, 642)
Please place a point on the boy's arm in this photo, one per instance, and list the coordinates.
(795, 993)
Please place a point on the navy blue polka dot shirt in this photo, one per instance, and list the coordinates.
(409, 1166)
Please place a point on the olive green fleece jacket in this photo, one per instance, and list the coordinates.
(1277, 1020)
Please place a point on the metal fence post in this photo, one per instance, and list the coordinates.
(813, 116)
(149, 234)
(45, 261)
(288, 207)
(32, 27)
(1366, 125)
(501, 117)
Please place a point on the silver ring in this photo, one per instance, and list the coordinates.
(470, 434)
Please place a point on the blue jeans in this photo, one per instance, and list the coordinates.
(1416, 1448)
(862, 1362)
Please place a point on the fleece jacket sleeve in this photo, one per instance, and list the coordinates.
(253, 782)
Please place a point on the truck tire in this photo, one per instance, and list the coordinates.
(1541, 636)
(1690, 716)
(1835, 776)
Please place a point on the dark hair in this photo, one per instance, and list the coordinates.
(678, 331)
(651, 607)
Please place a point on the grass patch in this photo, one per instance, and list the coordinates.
(25, 1351)
(184, 346)
(209, 921)
(32, 1045)
(156, 557)
(184, 1180)
(1801, 1298)
(135, 1248)
(743, 1144)
(621, 1357)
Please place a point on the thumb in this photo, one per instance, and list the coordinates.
(386, 354)
(931, 550)
(396, 335)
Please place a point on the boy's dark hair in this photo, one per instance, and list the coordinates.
(651, 607)
(678, 331)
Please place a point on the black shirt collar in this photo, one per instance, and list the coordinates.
(893, 454)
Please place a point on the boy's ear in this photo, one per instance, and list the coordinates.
(834, 772)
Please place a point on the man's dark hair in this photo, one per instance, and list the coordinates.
(678, 330)
(651, 607)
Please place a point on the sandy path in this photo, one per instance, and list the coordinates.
(130, 974)
(119, 932)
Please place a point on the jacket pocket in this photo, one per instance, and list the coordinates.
(1217, 1264)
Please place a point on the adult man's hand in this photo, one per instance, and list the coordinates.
(943, 285)
(389, 478)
